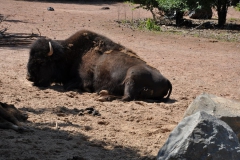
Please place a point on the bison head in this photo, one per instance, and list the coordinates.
(43, 66)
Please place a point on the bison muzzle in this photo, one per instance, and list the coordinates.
(92, 63)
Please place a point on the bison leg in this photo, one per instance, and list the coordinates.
(129, 91)
(4, 124)
(132, 82)
(105, 96)
(144, 82)
(10, 116)
(7, 116)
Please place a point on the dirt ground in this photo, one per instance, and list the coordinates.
(123, 130)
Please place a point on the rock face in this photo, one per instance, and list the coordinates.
(201, 136)
(224, 109)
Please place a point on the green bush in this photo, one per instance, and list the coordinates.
(151, 25)
(237, 7)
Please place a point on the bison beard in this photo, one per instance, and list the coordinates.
(92, 63)
(10, 117)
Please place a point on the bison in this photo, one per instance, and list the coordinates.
(10, 118)
(92, 62)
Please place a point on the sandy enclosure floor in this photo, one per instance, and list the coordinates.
(124, 130)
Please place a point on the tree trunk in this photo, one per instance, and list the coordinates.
(179, 18)
(222, 8)
(153, 14)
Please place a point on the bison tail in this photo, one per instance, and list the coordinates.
(170, 89)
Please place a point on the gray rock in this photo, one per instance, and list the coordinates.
(201, 136)
(224, 109)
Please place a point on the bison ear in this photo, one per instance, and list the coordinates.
(51, 49)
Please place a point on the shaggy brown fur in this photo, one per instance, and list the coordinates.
(93, 63)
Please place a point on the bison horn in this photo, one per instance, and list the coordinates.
(51, 49)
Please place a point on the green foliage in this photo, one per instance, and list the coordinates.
(168, 5)
(151, 25)
(182, 5)
(196, 4)
(164, 5)
(237, 7)
(148, 24)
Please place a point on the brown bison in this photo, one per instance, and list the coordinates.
(10, 118)
(92, 63)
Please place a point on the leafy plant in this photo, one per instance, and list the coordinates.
(151, 25)
(168, 5)
(237, 7)
(181, 5)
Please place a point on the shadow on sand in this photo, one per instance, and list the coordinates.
(46, 141)
(17, 39)
(8, 39)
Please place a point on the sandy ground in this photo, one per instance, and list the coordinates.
(124, 130)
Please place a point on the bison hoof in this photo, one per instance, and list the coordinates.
(103, 93)
(103, 99)
(126, 98)
(106, 98)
